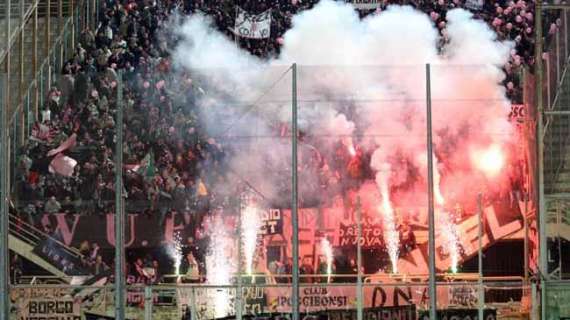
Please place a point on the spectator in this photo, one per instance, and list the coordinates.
(52, 205)
(306, 269)
(99, 267)
(189, 269)
(165, 147)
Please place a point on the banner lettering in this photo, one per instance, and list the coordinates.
(253, 26)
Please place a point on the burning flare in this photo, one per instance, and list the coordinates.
(490, 161)
(439, 200)
(350, 146)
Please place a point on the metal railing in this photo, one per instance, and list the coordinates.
(506, 299)
(556, 98)
(34, 237)
(69, 17)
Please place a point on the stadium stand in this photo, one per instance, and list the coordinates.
(165, 147)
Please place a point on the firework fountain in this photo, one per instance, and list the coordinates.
(391, 235)
(219, 267)
(447, 228)
(250, 223)
(175, 252)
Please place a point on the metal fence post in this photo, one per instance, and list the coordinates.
(8, 67)
(239, 291)
(565, 22)
(558, 73)
(148, 300)
(21, 70)
(540, 149)
(60, 26)
(481, 300)
(35, 61)
(4, 224)
(359, 297)
(431, 214)
(193, 310)
(119, 208)
(294, 200)
(47, 20)
(548, 85)
(535, 301)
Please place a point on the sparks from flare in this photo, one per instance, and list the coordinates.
(450, 238)
(448, 228)
(391, 235)
(250, 224)
(219, 269)
(175, 251)
(326, 247)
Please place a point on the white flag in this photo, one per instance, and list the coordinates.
(252, 25)
(63, 165)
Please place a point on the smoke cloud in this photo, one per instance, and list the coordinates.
(361, 81)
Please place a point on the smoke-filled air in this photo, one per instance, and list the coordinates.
(361, 90)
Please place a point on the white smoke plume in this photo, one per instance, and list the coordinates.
(361, 79)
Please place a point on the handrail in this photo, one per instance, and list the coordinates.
(71, 250)
(22, 230)
(33, 280)
(39, 235)
(260, 285)
(466, 277)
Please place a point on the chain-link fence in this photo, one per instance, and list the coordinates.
(230, 178)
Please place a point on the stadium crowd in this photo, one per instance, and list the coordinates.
(165, 149)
